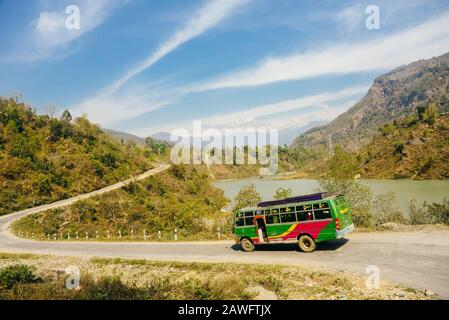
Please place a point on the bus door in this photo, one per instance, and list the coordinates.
(261, 228)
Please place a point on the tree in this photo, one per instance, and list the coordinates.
(247, 196)
(282, 193)
(340, 179)
(342, 169)
(43, 185)
(431, 113)
(66, 116)
(50, 110)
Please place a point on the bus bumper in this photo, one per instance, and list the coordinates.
(345, 231)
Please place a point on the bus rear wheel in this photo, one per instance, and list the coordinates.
(306, 243)
(247, 245)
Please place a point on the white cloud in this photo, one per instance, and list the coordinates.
(110, 106)
(350, 17)
(205, 18)
(254, 117)
(49, 23)
(50, 37)
(423, 41)
(252, 114)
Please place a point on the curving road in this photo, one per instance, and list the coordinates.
(417, 259)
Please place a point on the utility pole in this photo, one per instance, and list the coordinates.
(331, 148)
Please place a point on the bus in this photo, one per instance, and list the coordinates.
(305, 220)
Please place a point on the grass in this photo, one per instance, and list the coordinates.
(105, 278)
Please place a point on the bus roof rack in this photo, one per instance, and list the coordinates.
(303, 198)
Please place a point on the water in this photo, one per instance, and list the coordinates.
(405, 190)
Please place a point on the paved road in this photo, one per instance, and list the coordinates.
(417, 259)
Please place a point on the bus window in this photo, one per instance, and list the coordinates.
(267, 211)
(288, 217)
(322, 214)
(304, 216)
(259, 212)
(274, 211)
(249, 221)
(300, 208)
(322, 205)
(239, 222)
(283, 210)
(249, 214)
(239, 214)
(272, 218)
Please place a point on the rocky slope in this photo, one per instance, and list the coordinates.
(392, 96)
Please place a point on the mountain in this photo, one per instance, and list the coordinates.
(288, 135)
(413, 149)
(125, 137)
(391, 97)
(44, 159)
(161, 136)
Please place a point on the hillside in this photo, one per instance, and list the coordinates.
(180, 198)
(125, 137)
(411, 149)
(44, 159)
(392, 96)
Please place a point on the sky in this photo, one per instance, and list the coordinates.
(149, 66)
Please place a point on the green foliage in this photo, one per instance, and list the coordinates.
(247, 197)
(339, 177)
(16, 274)
(418, 151)
(366, 210)
(433, 213)
(179, 171)
(384, 209)
(388, 129)
(66, 116)
(159, 203)
(296, 158)
(282, 193)
(154, 146)
(44, 159)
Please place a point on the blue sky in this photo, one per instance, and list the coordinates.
(147, 66)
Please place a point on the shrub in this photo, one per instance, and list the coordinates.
(15, 274)
(111, 288)
(384, 209)
(433, 213)
(247, 196)
(282, 193)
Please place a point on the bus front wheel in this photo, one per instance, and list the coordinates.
(306, 243)
(247, 245)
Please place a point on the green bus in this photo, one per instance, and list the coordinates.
(304, 220)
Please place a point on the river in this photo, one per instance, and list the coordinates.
(405, 190)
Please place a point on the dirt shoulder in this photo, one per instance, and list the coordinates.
(181, 280)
